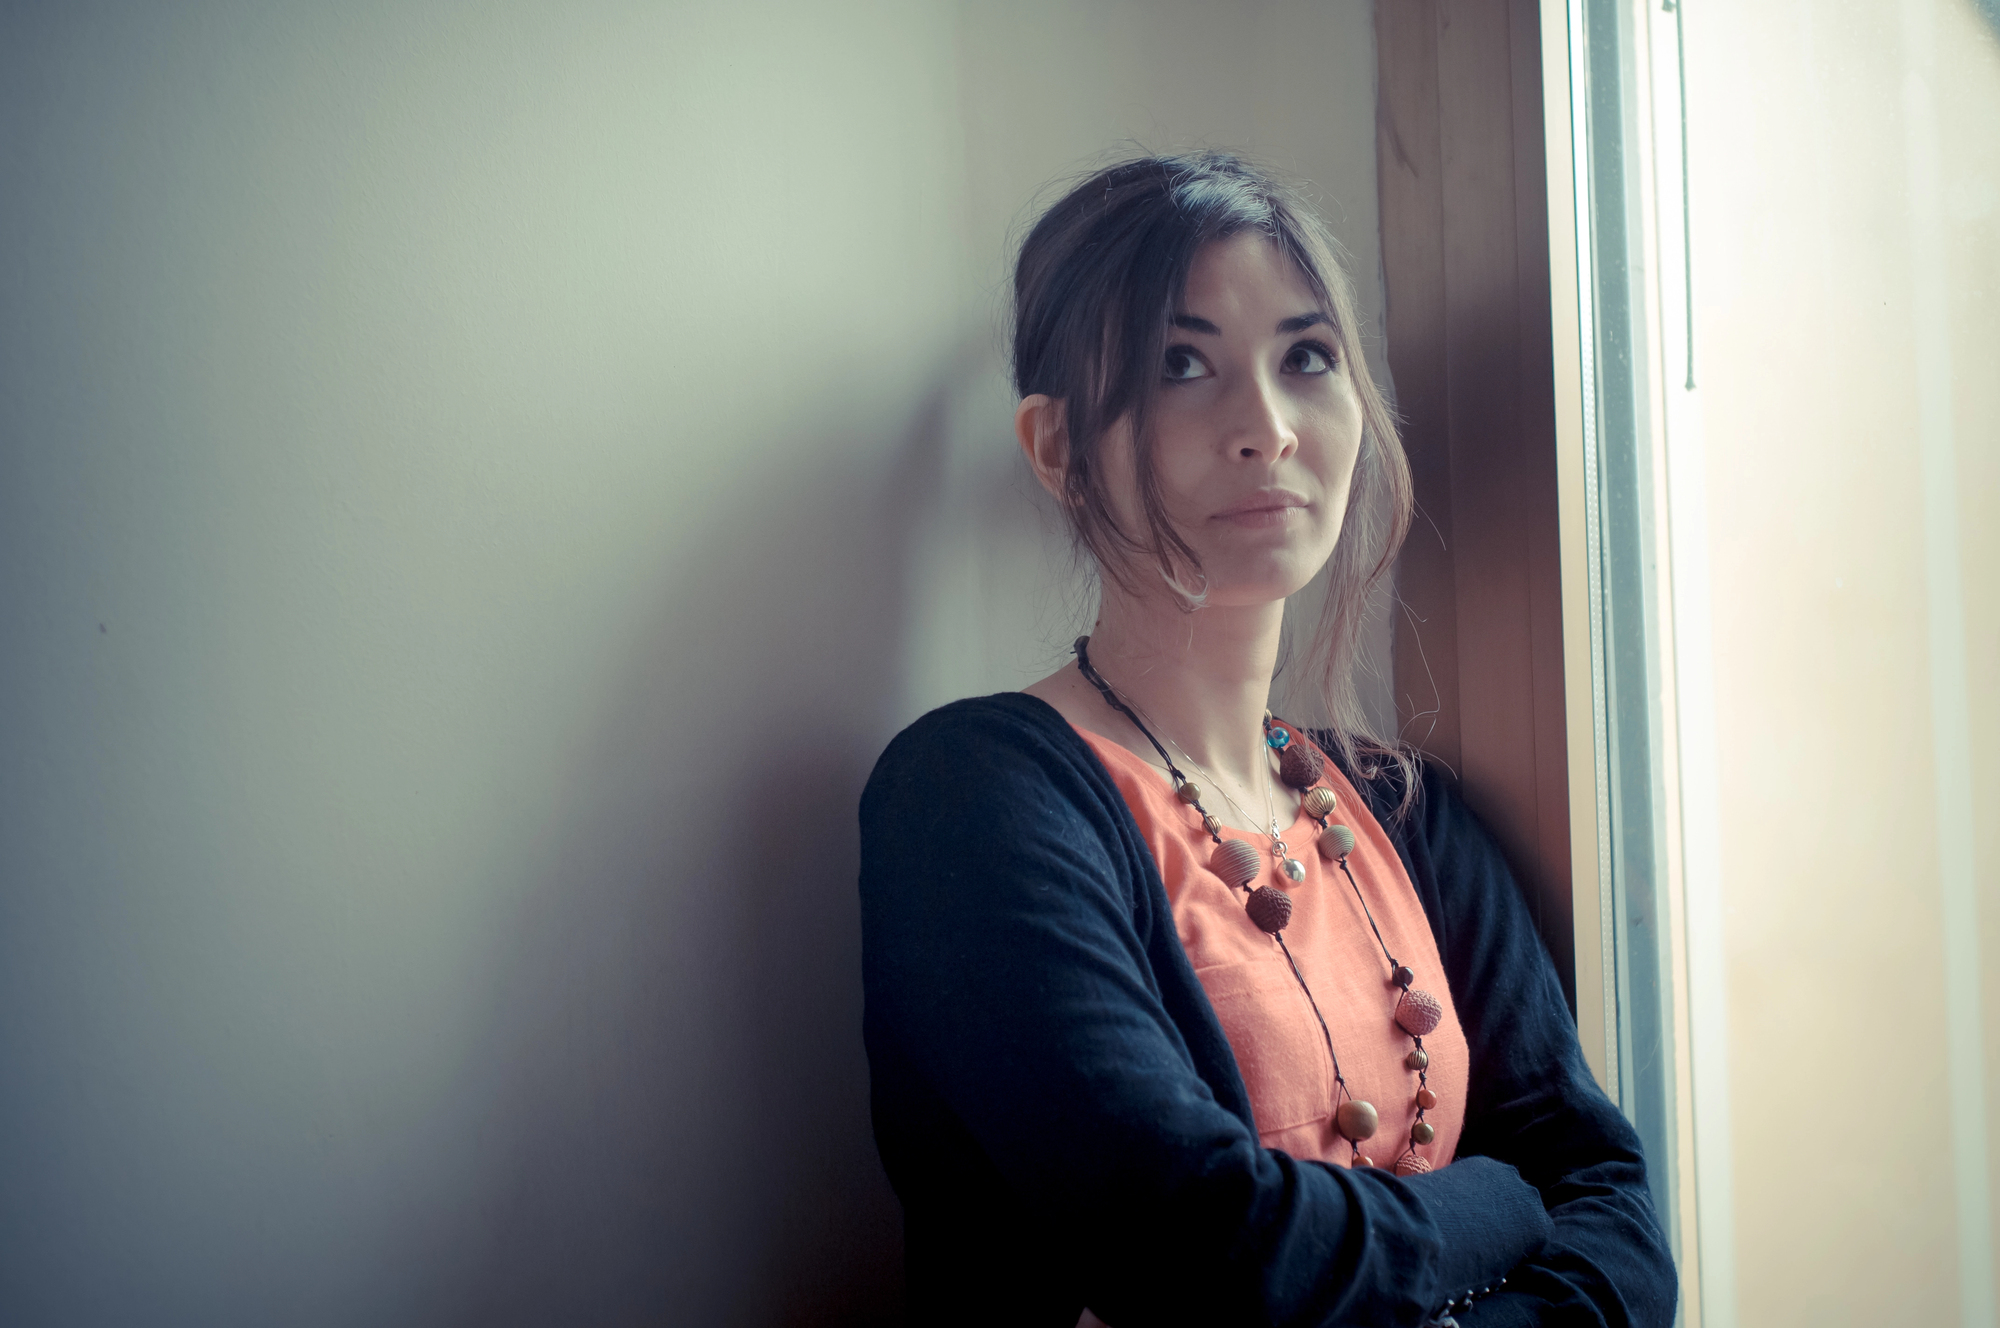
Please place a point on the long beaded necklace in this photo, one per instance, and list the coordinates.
(1238, 863)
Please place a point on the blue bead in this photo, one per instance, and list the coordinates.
(1279, 739)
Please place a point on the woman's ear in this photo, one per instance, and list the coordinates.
(1038, 423)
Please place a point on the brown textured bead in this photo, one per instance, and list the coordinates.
(1426, 1100)
(1418, 1012)
(1402, 977)
(1300, 765)
(1270, 908)
(1210, 824)
(1189, 792)
(1411, 1164)
(1357, 1120)
(1417, 1059)
(1236, 861)
(1336, 842)
(1422, 1133)
(1320, 802)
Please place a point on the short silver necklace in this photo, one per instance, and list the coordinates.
(1295, 871)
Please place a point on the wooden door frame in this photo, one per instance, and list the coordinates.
(1492, 647)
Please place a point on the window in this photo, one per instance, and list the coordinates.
(1776, 259)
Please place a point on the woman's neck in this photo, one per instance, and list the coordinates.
(1201, 680)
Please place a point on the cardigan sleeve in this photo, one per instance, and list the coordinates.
(1015, 937)
(1532, 1101)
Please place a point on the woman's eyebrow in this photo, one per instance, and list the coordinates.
(1285, 326)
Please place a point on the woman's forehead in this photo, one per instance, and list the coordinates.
(1243, 283)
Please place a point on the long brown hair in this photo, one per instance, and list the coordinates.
(1098, 278)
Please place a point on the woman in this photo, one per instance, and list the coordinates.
(1171, 1019)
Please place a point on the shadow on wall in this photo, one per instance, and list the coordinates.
(680, 1117)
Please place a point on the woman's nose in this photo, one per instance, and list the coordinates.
(1261, 426)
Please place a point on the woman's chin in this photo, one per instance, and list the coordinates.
(1258, 565)
(1240, 588)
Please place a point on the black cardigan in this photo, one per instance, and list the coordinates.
(1059, 1111)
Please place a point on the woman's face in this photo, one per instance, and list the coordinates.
(1256, 427)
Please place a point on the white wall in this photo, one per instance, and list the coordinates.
(478, 485)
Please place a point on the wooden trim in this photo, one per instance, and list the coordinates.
(1409, 157)
(1466, 245)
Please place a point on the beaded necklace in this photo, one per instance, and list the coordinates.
(1239, 863)
(1295, 871)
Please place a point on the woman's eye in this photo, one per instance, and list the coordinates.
(1308, 358)
(1183, 365)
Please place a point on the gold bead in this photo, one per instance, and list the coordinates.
(1417, 1059)
(1210, 824)
(1320, 802)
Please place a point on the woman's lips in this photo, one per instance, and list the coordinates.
(1270, 508)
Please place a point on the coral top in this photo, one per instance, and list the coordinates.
(1270, 1025)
